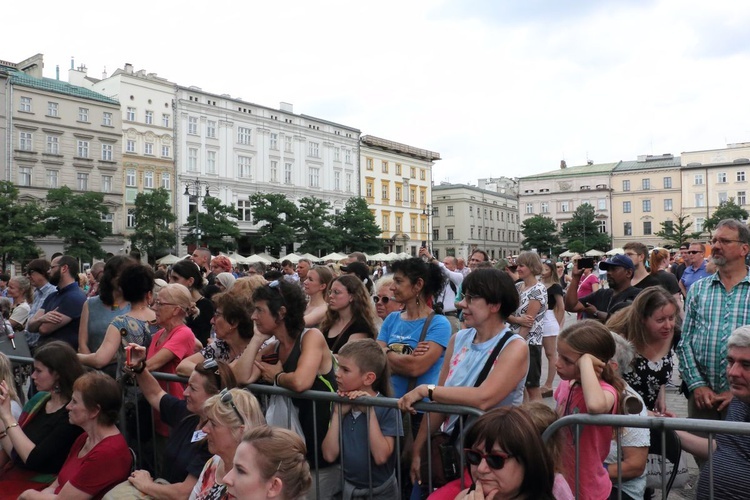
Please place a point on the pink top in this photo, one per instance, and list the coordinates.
(586, 285)
(594, 482)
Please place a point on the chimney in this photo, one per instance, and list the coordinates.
(104, 73)
(563, 164)
(72, 63)
(589, 162)
(128, 68)
(57, 72)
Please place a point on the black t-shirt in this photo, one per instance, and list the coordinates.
(53, 435)
(649, 280)
(201, 326)
(181, 456)
(606, 300)
(357, 326)
(668, 281)
(551, 292)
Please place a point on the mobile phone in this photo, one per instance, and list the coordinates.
(271, 359)
(127, 355)
(424, 244)
(586, 263)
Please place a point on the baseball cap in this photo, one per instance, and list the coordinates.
(617, 261)
(357, 268)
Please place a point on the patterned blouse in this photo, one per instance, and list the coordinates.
(646, 377)
(536, 292)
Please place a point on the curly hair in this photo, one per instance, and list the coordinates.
(416, 269)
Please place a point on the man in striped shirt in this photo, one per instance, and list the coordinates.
(715, 306)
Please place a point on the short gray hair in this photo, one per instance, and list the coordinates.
(743, 233)
(740, 337)
(624, 353)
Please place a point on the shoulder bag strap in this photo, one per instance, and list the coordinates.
(413, 380)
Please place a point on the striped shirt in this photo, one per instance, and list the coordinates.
(711, 315)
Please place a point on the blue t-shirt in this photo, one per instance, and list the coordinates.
(398, 331)
(68, 301)
(690, 275)
(355, 438)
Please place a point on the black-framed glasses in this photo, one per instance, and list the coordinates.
(724, 241)
(468, 297)
(495, 461)
(226, 397)
(693, 252)
(378, 298)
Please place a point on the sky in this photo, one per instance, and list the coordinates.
(503, 87)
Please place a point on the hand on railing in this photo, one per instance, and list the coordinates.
(406, 403)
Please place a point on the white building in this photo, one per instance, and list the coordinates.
(236, 149)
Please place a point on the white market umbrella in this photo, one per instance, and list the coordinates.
(568, 253)
(292, 257)
(269, 258)
(310, 257)
(378, 256)
(332, 256)
(256, 258)
(594, 253)
(168, 259)
(616, 251)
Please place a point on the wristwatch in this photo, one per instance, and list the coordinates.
(430, 388)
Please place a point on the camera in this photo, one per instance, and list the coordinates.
(438, 307)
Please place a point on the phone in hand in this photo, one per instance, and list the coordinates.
(127, 354)
(586, 263)
(271, 358)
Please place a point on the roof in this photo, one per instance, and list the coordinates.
(443, 186)
(580, 170)
(650, 164)
(59, 87)
(400, 148)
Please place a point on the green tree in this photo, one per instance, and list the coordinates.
(677, 232)
(539, 232)
(77, 220)
(357, 227)
(581, 233)
(216, 227)
(727, 210)
(278, 216)
(153, 215)
(19, 224)
(314, 225)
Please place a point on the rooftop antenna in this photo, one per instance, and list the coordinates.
(104, 73)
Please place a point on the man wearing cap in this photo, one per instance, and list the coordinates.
(603, 302)
(696, 266)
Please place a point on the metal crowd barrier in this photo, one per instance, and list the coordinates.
(710, 427)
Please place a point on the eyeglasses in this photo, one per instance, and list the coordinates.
(226, 397)
(693, 252)
(378, 298)
(724, 241)
(468, 297)
(158, 303)
(494, 460)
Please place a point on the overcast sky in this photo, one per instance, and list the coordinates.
(503, 87)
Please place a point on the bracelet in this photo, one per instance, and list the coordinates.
(141, 366)
(9, 427)
(276, 378)
(3, 434)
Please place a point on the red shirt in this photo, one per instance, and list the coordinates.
(104, 466)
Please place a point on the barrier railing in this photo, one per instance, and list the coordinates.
(709, 427)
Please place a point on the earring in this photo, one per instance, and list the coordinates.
(417, 300)
(56, 389)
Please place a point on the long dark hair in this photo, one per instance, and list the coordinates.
(280, 293)
(362, 305)
(415, 269)
(189, 269)
(108, 282)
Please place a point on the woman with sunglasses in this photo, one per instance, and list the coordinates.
(385, 303)
(316, 287)
(507, 458)
(298, 359)
(186, 451)
(229, 415)
(351, 313)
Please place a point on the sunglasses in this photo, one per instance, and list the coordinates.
(226, 397)
(385, 300)
(693, 252)
(495, 461)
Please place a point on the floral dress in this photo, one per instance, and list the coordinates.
(647, 377)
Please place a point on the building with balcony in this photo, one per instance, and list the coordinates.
(645, 193)
(466, 218)
(60, 134)
(396, 181)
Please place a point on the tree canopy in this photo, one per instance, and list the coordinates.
(77, 220)
(314, 225)
(581, 233)
(357, 227)
(278, 217)
(677, 232)
(153, 216)
(539, 232)
(216, 227)
(19, 224)
(727, 210)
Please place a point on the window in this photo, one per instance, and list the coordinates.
(149, 117)
(422, 197)
(435, 234)
(25, 104)
(210, 162)
(626, 185)
(601, 204)
(287, 173)
(602, 226)
(52, 178)
(274, 141)
(413, 224)
(337, 181)
(626, 207)
(53, 145)
(130, 116)
(384, 166)
(413, 172)
(700, 201)
(348, 183)
(107, 152)
(386, 222)
(244, 135)
(668, 204)
(698, 179)
(741, 176)
(529, 208)
(368, 191)
(211, 129)
(193, 125)
(314, 174)
(384, 191)
(106, 183)
(336, 154)
(449, 211)
(741, 198)
(646, 227)
(398, 169)
(646, 184)
(192, 160)
(288, 143)
(243, 166)
(130, 178)
(399, 218)
(722, 197)
(107, 119)
(166, 181)
(83, 149)
(646, 205)
(721, 177)
(667, 183)
(398, 193)
(314, 149)
(699, 221)
(544, 207)
(244, 211)
(165, 120)
(421, 174)
(148, 180)
(413, 195)
(274, 171)
(148, 148)
(348, 156)
(564, 206)
(131, 218)
(82, 181)
(450, 234)
(25, 141)
(627, 228)
(130, 146)
(53, 109)
(165, 151)
(109, 220)
(369, 163)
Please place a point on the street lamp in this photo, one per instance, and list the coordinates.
(427, 211)
(193, 190)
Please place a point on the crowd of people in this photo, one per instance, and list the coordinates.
(92, 421)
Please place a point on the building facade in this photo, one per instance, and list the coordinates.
(466, 218)
(63, 135)
(645, 193)
(396, 181)
(236, 149)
